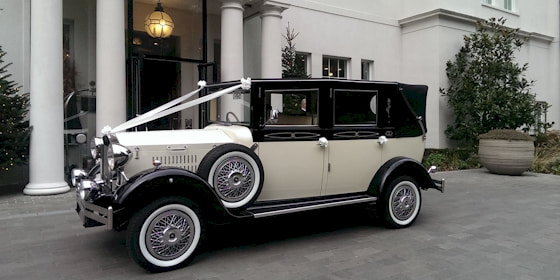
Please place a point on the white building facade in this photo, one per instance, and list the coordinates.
(406, 41)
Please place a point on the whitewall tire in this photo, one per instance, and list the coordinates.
(401, 202)
(165, 234)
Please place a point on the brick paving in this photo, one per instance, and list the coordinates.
(484, 227)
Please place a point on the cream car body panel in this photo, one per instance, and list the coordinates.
(407, 147)
(238, 134)
(352, 165)
(183, 148)
(292, 169)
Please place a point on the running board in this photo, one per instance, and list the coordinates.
(274, 210)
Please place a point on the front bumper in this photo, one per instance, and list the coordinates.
(94, 215)
(87, 187)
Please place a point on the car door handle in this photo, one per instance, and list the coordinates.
(382, 140)
(323, 142)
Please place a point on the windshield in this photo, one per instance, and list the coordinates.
(233, 107)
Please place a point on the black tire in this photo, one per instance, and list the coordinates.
(235, 172)
(165, 234)
(401, 202)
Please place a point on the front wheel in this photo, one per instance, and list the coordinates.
(401, 202)
(165, 234)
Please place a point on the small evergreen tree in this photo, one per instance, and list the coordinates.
(290, 67)
(14, 128)
(487, 88)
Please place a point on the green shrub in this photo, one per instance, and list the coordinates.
(547, 154)
(450, 159)
(487, 88)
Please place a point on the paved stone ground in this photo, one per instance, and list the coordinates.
(484, 227)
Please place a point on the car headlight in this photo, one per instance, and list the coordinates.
(76, 176)
(95, 147)
(117, 156)
(87, 188)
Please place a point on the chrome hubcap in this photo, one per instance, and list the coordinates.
(403, 202)
(233, 179)
(169, 235)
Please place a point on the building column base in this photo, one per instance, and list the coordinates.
(46, 188)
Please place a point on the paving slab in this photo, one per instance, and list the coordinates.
(484, 226)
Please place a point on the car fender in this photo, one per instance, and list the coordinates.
(400, 166)
(152, 184)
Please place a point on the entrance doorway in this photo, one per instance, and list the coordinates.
(162, 69)
(156, 80)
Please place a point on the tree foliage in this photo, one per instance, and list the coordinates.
(487, 87)
(290, 58)
(14, 128)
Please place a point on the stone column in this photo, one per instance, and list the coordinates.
(271, 46)
(46, 115)
(232, 53)
(271, 40)
(111, 64)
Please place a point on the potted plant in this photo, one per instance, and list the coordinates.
(487, 87)
(506, 151)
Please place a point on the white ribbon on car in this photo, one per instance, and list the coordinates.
(172, 107)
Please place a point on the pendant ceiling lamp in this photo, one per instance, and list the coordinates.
(159, 24)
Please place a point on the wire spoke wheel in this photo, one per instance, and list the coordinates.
(233, 179)
(235, 172)
(165, 234)
(169, 235)
(401, 202)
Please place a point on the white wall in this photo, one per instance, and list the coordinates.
(416, 51)
(353, 29)
(324, 34)
(14, 31)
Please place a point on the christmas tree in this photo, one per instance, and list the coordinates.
(14, 126)
(292, 65)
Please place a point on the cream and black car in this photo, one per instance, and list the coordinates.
(267, 148)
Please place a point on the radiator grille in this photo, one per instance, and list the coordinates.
(188, 162)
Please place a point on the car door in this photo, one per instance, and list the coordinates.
(288, 145)
(354, 153)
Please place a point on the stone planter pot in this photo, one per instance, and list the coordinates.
(507, 157)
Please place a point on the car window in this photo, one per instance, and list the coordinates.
(355, 107)
(292, 107)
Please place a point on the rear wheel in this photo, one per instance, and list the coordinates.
(165, 234)
(401, 202)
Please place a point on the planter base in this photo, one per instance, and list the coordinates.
(506, 157)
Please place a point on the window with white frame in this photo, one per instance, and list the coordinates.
(367, 70)
(508, 5)
(334, 67)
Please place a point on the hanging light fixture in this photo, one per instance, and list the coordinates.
(159, 24)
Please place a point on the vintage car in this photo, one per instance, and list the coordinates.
(267, 147)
